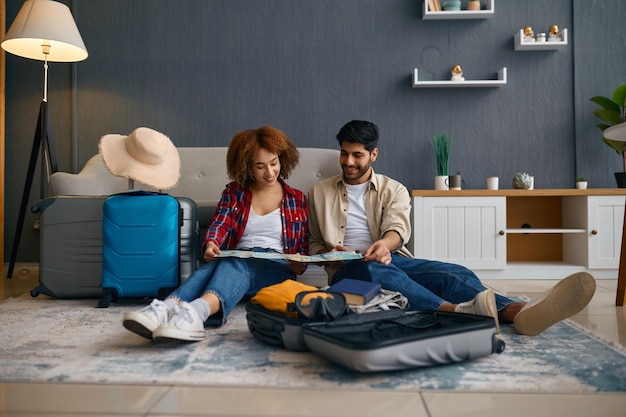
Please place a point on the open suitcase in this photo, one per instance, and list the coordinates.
(275, 328)
(400, 339)
(70, 263)
(140, 245)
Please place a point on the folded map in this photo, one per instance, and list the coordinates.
(322, 257)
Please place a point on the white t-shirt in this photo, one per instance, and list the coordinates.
(263, 232)
(358, 236)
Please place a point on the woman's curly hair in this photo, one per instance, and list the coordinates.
(244, 146)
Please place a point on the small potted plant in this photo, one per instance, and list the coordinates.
(473, 5)
(613, 112)
(581, 183)
(441, 142)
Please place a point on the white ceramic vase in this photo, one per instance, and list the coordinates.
(440, 182)
(473, 5)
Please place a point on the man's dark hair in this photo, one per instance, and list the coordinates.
(359, 131)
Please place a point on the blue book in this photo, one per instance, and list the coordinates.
(357, 292)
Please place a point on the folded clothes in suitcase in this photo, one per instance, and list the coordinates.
(399, 339)
(140, 245)
(70, 246)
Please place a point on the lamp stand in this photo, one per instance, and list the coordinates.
(42, 141)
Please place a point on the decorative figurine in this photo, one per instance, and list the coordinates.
(529, 35)
(457, 73)
(554, 34)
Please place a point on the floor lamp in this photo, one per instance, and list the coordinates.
(43, 30)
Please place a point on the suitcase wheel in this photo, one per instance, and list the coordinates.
(109, 294)
(164, 292)
(34, 292)
(104, 302)
(498, 345)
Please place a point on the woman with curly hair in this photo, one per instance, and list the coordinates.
(257, 211)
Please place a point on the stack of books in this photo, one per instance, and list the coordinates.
(357, 292)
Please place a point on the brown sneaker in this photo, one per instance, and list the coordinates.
(565, 299)
(484, 304)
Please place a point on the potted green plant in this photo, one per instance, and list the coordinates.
(613, 112)
(441, 143)
(581, 183)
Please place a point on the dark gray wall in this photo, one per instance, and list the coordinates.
(201, 70)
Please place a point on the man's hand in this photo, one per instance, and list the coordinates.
(297, 268)
(339, 248)
(210, 251)
(378, 252)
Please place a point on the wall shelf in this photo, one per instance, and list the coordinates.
(485, 13)
(460, 84)
(520, 45)
(545, 231)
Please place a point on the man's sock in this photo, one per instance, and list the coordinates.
(202, 308)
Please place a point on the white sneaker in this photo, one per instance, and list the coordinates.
(184, 325)
(484, 304)
(565, 299)
(148, 319)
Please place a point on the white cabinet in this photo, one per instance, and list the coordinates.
(605, 218)
(525, 234)
(468, 231)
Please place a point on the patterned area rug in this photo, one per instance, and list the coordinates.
(72, 341)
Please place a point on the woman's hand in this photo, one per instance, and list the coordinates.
(211, 250)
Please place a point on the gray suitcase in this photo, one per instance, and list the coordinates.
(71, 245)
(399, 339)
(70, 263)
(189, 238)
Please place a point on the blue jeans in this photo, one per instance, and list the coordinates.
(426, 284)
(231, 279)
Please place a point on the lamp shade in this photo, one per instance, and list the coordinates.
(617, 132)
(45, 29)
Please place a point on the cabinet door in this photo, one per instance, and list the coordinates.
(605, 221)
(466, 230)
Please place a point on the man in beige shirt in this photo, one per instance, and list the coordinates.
(369, 212)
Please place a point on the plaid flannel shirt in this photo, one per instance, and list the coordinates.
(231, 217)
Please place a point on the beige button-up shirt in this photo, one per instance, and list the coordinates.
(387, 207)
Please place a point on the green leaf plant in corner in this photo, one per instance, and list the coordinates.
(612, 113)
(441, 143)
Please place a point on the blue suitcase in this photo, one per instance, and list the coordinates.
(140, 245)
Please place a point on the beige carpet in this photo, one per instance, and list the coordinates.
(72, 341)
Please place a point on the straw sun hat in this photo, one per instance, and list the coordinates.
(145, 155)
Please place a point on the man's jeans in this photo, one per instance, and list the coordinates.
(426, 284)
(230, 279)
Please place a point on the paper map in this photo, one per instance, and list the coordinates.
(323, 257)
